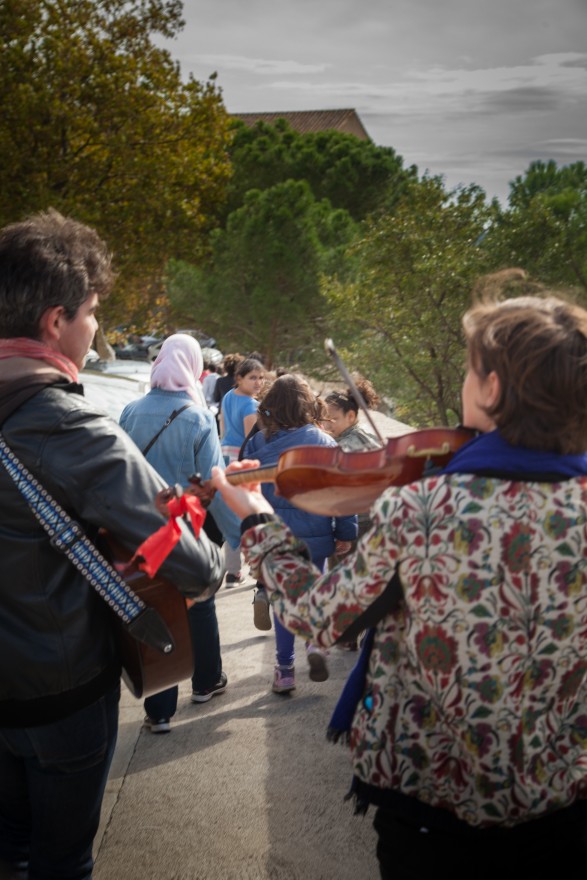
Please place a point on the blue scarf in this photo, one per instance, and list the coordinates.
(490, 454)
(486, 455)
(339, 726)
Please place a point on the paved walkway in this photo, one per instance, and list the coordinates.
(245, 787)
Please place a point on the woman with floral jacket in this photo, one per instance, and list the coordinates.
(470, 734)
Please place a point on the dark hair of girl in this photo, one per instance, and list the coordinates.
(345, 401)
(231, 362)
(289, 403)
(249, 365)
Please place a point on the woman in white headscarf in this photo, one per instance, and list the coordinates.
(177, 433)
(178, 367)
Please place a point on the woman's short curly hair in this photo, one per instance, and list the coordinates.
(537, 346)
(345, 400)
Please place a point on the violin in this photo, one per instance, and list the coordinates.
(330, 482)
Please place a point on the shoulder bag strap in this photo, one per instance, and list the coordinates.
(167, 423)
(386, 603)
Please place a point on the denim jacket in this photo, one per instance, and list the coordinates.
(189, 445)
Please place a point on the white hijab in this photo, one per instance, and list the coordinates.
(178, 367)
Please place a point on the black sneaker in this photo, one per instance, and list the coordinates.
(204, 696)
(317, 661)
(232, 580)
(162, 725)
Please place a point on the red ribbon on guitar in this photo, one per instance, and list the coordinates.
(154, 551)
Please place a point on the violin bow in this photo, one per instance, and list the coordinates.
(331, 350)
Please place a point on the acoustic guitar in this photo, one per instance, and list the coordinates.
(145, 670)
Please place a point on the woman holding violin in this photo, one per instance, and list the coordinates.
(470, 730)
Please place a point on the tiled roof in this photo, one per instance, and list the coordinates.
(309, 121)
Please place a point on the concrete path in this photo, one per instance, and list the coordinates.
(245, 787)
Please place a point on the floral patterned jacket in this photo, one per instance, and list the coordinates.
(479, 681)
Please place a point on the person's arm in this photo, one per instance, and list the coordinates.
(218, 391)
(249, 423)
(248, 410)
(206, 445)
(122, 421)
(345, 530)
(207, 454)
(341, 548)
(319, 608)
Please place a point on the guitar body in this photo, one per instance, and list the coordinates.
(145, 670)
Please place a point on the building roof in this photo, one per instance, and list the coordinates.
(310, 121)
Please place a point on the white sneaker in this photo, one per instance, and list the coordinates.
(163, 725)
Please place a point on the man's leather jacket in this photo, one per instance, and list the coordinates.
(56, 647)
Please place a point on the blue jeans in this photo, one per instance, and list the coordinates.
(52, 784)
(207, 659)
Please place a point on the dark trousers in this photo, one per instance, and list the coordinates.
(555, 846)
(207, 659)
(52, 781)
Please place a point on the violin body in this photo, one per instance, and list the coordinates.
(331, 482)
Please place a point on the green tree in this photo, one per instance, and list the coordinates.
(97, 123)
(544, 229)
(399, 318)
(262, 288)
(546, 177)
(355, 175)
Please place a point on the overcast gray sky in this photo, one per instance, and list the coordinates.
(473, 90)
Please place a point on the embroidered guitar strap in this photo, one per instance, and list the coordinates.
(67, 536)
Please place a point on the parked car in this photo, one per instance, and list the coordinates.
(212, 356)
(138, 350)
(206, 342)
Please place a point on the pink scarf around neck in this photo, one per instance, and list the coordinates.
(22, 346)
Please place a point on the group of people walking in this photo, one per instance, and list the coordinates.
(466, 709)
(259, 418)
